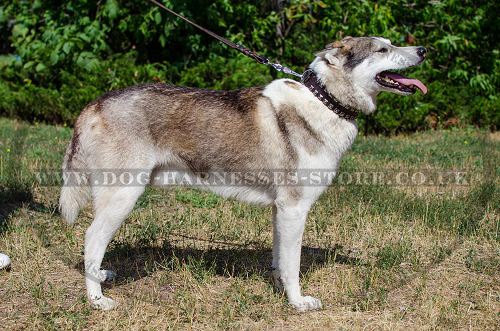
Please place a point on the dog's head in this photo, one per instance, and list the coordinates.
(364, 65)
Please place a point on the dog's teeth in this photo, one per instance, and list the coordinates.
(388, 80)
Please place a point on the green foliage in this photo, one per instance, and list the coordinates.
(63, 101)
(56, 57)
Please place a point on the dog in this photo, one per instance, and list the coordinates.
(179, 132)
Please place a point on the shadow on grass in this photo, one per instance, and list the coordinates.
(11, 199)
(133, 263)
(14, 198)
(14, 192)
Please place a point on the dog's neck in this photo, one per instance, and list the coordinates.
(338, 83)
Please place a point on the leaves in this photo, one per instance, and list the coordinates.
(111, 9)
(110, 44)
(87, 61)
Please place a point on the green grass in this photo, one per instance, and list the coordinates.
(382, 256)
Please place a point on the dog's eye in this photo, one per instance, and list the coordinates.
(382, 50)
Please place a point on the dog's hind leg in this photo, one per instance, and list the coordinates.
(289, 222)
(112, 205)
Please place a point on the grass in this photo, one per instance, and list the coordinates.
(380, 257)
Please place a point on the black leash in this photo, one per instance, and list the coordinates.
(257, 57)
(308, 78)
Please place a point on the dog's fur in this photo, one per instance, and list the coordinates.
(280, 126)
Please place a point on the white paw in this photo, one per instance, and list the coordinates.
(4, 261)
(306, 303)
(107, 275)
(103, 303)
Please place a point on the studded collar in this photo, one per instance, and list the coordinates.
(311, 81)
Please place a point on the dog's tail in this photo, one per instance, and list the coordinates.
(75, 191)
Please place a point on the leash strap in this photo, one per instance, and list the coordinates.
(257, 57)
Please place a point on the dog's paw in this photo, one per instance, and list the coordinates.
(107, 275)
(306, 303)
(103, 303)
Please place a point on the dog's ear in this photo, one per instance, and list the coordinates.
(342, 45)
(335, 44)
(332, 51)
(331, 58)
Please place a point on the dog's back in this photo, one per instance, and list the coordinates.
(160, 126)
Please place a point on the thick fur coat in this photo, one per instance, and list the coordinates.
(163, 129)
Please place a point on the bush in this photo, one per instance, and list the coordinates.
(63, 102)
(56, 57)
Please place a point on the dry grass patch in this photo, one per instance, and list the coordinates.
(380, 257)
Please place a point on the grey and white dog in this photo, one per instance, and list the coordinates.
(160, 128)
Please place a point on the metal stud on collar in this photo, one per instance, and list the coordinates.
(310, 80)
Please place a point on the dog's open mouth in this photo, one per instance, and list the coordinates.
(399, 82)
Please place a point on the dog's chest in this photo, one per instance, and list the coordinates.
(336, 138)
(316, 170)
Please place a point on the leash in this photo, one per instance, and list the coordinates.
(308, 78)
(257, 57)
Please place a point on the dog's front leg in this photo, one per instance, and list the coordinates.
(288, 227)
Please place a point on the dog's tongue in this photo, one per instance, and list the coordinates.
(407, 81)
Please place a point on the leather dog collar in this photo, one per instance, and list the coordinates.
(311, 81)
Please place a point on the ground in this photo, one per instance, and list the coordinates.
(379, 256)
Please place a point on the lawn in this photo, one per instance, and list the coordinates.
(379, 256)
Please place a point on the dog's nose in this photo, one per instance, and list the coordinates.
(421, 51)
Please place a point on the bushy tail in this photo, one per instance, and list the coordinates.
(71, 201)
(75, 191)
